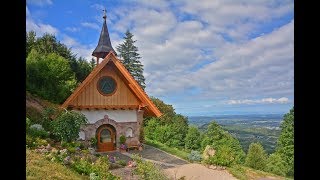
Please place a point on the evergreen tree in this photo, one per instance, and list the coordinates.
(129, 55)
(285, 144)
(256, 157)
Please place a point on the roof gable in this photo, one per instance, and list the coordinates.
(147, 104)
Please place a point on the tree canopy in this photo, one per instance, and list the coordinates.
(129, 55)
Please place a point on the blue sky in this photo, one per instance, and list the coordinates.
(208, 58)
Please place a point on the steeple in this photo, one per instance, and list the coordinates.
(104, 46)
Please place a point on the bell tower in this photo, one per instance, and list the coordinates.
(104, 45)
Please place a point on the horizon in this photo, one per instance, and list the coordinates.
(221, 57)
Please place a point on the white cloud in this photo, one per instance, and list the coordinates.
(39, 2)
(39, 28)
(282, 100)
(72, 29)
(179, 55)
(98, 6)
(82, 50)
(90, 25)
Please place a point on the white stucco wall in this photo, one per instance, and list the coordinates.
(117, 115)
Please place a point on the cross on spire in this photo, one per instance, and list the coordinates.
(104, 13)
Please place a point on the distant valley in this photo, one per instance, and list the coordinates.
(247, 128)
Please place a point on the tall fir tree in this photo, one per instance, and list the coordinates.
(129, 56)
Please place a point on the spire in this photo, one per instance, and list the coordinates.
(104, 46)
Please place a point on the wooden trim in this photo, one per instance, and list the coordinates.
(106, 107)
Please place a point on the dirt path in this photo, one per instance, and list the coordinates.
(197, 172)
(175, 167)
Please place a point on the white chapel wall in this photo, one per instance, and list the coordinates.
(117, 115)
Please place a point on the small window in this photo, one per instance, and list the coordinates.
(129, 132)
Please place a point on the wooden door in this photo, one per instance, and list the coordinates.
(106, 139)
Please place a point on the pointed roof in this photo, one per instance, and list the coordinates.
(104, 46)
(150, 108)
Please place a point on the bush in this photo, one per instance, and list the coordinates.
(93, 142)
(100, 168)
(192, 140)
(38, 133)
(276, 165)
(224, 156)
(66, 126)
(228, 148)
(122, 139)
(195, 156)
(82, 167)
(147, 170)
(256, 157)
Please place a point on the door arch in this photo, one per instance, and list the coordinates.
(106, 137)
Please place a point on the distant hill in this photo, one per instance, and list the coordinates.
(247, 128)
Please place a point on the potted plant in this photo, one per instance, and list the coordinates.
(123, 146)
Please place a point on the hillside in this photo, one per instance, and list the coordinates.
(37, 167)
(35, 106)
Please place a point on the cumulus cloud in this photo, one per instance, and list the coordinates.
(90, 25)
(212, 49)
(79, 49)
(39, 2)
(282, 100)
(39, 27)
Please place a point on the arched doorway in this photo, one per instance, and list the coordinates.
(106, 136)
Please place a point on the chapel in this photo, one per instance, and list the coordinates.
(111, 99)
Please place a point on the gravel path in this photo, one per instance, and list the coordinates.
(172, 166)
(156, 154)
(197, 172)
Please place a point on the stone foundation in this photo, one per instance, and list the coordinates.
(89, 130)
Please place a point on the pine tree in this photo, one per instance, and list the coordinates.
(129, 56)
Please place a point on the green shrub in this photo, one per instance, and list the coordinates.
(150, 127)
(36, 130)
(122, 139)
(276, 165)
(82, 167)
(256, 157)
(195, 156)
(147, 170)
(228, 149)
(100, 168)
(67, 125)
(192, 140)
(93, 142)
(224, 156)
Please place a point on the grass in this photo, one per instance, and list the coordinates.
(37, 167)
(246, 173)
(175, 151)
